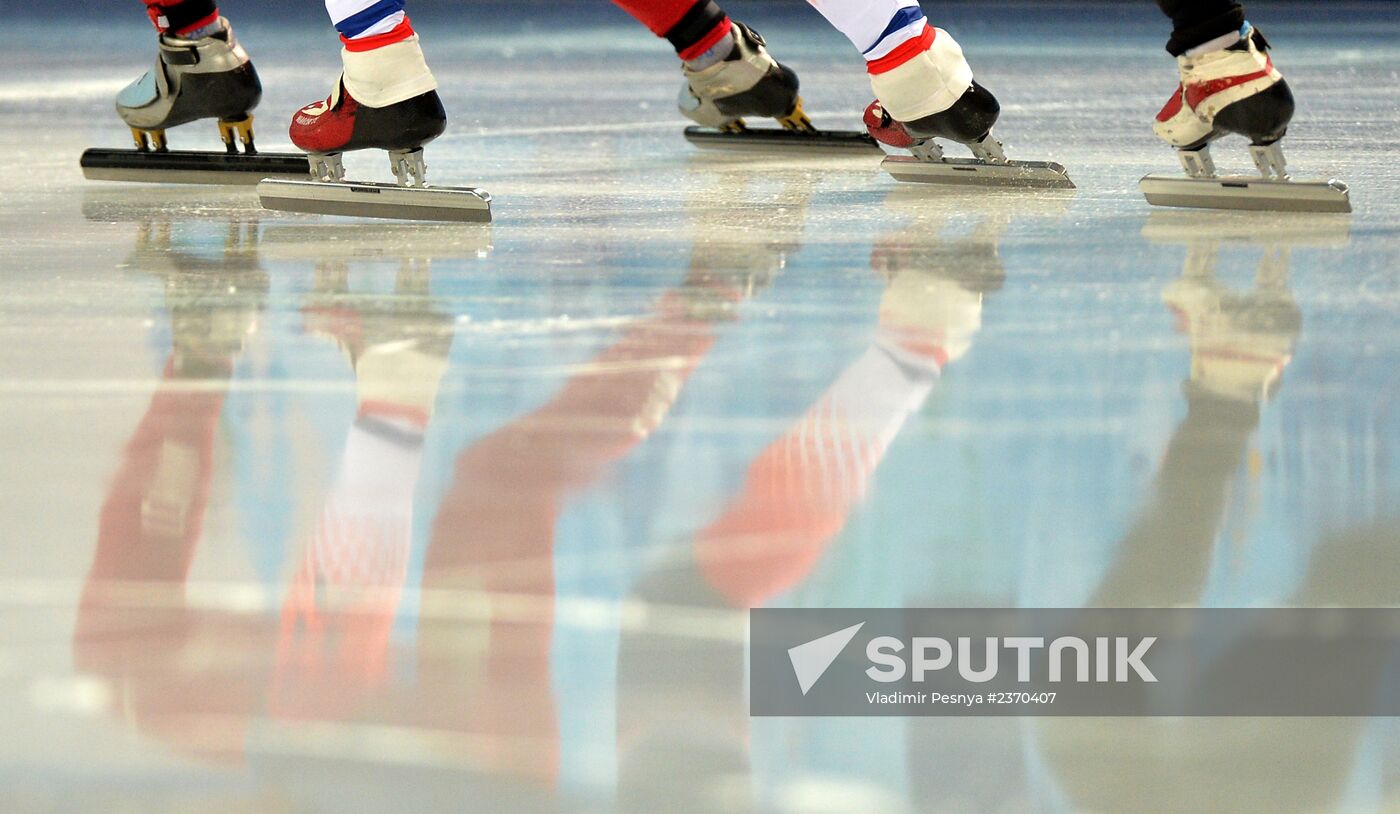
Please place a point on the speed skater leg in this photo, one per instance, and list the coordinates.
(385, 99)
(1228, 84)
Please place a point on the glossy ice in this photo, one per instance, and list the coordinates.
(308, 514)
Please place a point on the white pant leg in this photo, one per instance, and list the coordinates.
(874, 27)
(365, 18)
(920, 82)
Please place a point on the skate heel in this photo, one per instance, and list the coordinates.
(968, 121)
(402, 126)
(771, 97)
(796, 119)
(226, 96)
(1262, 118)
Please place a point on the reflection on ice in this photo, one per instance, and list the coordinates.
(312, 514)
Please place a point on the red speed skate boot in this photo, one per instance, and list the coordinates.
(386, 99)
(340, 123)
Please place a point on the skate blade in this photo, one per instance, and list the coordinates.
(370, 200)
(1246, 192)
(772, 138)
(190, 167)
(972, 172)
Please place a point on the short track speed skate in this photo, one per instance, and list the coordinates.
(750, 83)
(402, 129)
(209, 77)
(929, 94)
(967, 122)
(1233, 87)
(344, 122)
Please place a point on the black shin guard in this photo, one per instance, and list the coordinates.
(695, 25)
(1199, 21)
(179, 16)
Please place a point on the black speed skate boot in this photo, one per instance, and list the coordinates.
(386, 99)
(210, 77)
(969, 121)
(931, 95)
(1234, 89)
(1230, 86)
(749, 82)
(206, 78)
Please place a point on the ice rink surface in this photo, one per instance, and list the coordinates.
(314, 514)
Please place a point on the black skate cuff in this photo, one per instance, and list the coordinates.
(695, 25)
(1196, 30)
(181, 15)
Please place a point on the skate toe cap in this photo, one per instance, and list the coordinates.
(142, 92)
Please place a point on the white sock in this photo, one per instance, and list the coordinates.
(715, 54)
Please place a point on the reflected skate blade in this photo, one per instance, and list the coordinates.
(191, 167)
(1293, 230)
(971, 172)
(368, 200)
(1246, 192)
(775, 139)
(357, 240)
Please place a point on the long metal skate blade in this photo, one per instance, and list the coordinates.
(972, 172)
(775, 139)
(190, 166)
(1246, 192)
(370, 200)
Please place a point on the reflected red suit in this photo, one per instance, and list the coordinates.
(494, 534)
(133, 626)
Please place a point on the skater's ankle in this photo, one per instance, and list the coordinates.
(202, 31)
(703, 36)
(711, 56)
(1222, 42)
(181, 18)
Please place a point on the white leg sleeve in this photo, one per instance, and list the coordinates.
(874, 27)
(389, 74)
(364, 18)
(928, 82)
